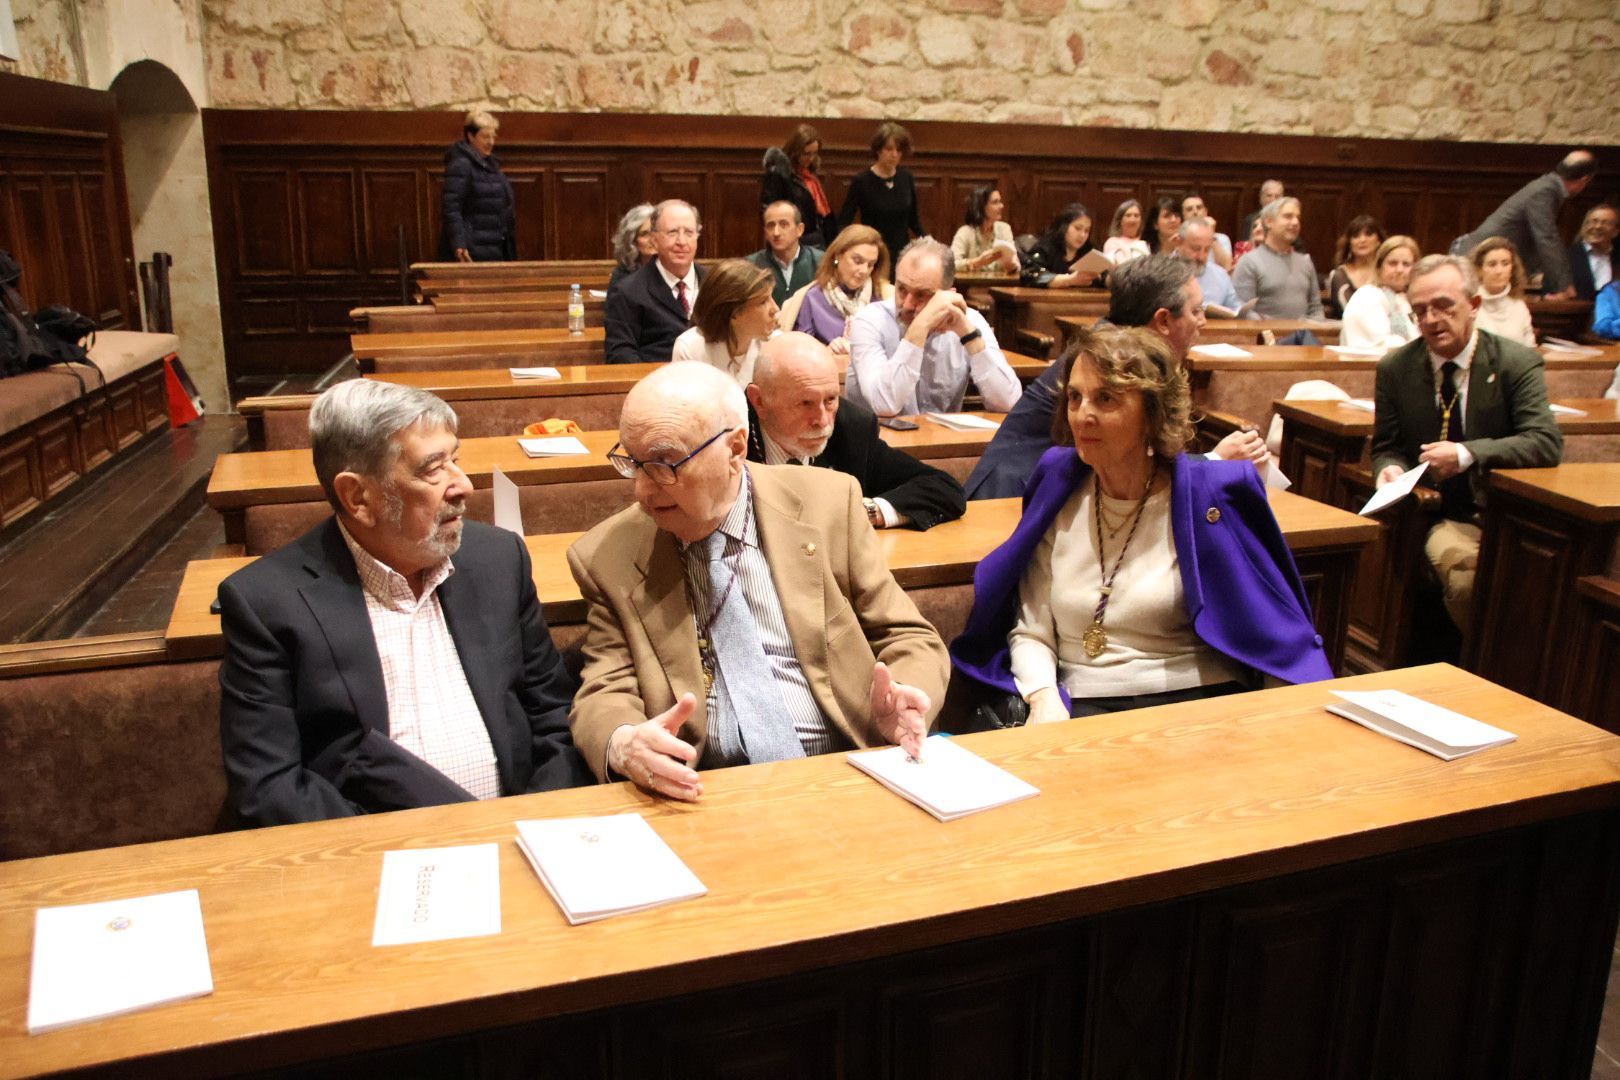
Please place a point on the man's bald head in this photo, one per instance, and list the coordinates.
(795, 393)
(1577, 170)
(673, 416)
(700, 397)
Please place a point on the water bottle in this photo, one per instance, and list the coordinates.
(576, 310)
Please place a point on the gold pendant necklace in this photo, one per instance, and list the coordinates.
(1095, 639)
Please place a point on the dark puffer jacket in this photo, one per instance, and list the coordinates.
(478, 207)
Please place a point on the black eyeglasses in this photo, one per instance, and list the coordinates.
(659, 472)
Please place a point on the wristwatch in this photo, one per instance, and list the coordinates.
(874, 512)
(971, 336)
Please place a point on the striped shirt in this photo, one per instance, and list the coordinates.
(754, 582)
(431, 709)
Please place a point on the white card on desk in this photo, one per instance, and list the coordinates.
(556, 446)
(535, 373)
(434, 894)
(962, 421)
(97, 960)
(1394, 491)
(508, 511)
(1565, 410)
(600, 866)
(1364, 404)
(1415, 722)
(1220, 350)
(949, 781)
(1356, 352)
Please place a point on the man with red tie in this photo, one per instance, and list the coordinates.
(650, 308)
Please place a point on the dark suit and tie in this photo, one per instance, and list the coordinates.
(923, 494)
(1580, 269)
(304, 717)
(643, 317)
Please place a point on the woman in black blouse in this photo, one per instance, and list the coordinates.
(885, 196)
(1067, 240)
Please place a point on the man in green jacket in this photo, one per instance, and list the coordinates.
(791, 264)
(1463, 401)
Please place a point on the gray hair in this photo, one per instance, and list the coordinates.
(624, 239)
(1143, 286)
(352, 428)
(670, 204)
(927, 245)
(1430, 263)
(1196, 223)
(1275, 207)
(479, 118)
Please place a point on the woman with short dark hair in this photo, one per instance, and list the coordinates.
(885, 195)
(1164, 232)
(793, 174)
(1353, 259)
(985, 241)
(1067, 240)
(479, 221)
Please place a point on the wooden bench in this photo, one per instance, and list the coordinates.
(1036, 311)
(60, 423)
(267, 498)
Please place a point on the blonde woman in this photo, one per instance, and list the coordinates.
(1378, 314)
(853, 273)
(1502, 309)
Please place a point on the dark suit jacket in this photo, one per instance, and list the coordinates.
(303, 711)
(804, 271)
(1529, 218)
(642, 318)
(1025, 434)
(1507, 424)
(921, 492)
(1580, 270)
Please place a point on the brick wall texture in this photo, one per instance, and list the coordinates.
(1498, 70)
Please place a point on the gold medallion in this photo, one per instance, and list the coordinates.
(1095, 639)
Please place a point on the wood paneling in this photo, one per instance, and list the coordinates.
(574, 175)
(63, 211)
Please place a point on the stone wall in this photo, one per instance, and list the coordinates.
(1509, 70)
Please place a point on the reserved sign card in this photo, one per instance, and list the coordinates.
(435, 894)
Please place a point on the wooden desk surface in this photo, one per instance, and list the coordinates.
(944, 555)
(468, 384)
(806, 863)
(1076, 298)
(480, 301)
(470, 342)
(1236, 331)
(1588, 490)
(1316, 357)
(1602, 416)
(283, 476)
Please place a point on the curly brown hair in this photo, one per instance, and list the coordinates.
(1131, 358)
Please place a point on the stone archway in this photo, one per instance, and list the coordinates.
(166, 174)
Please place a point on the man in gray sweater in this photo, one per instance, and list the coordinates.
(1283, 280)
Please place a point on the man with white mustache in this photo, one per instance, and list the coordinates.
(395, 655)
(796, 415)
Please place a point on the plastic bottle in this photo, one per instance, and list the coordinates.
(576, 310)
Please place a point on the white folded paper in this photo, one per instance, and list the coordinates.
(1221, 311)
(1220, 350)
(947, 780)
(1415, 722)
(962, 421)
(1356, 352)
(597, 294)
(1365, 404)
(105, 959)
(556, 446)
(601, 866)
(1092, 262)
(434, 894)
(535, 373)
(1565, 410)
(1565, 347)
(1394, 491)
(508, 511)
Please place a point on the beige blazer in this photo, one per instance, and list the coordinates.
(844, 613)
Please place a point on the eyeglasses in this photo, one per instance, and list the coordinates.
(659, 472)
(681, 234)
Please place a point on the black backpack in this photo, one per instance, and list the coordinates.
(28, 341)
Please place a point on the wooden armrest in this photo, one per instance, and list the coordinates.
(79, 654)
(1033, 341)
(1603, 592)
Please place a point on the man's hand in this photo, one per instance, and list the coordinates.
(650, 754)
(1046, 706)
(899, 711)
(1442, 459)
(463, 255)
(1388, 473)
(946, 311)
(839, 346)
(1243, 445)
(1563, 294)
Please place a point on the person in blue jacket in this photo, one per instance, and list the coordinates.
(479, 218)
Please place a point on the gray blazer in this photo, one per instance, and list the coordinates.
(1529, 218)
(1506, 425)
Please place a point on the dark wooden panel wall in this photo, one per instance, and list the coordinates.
(307, 205)
(64, 213)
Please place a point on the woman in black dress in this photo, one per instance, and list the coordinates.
(885, 196)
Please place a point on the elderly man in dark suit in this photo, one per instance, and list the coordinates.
(796, 414)
(1529, 218)
(395, 656)
(1463, 401)
(1593, 260)
(653, 306)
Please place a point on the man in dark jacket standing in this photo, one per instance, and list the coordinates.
(796, 414)
(479, 222)
(1529, 218)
